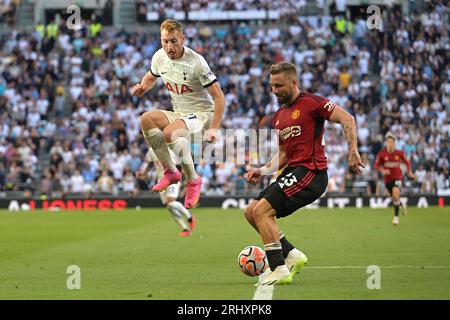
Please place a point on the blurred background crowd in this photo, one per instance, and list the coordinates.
(69, 124)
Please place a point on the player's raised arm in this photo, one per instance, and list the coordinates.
(348, 123)
(219, 106)
(148, 81)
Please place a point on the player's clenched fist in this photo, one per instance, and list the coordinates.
(138, 90)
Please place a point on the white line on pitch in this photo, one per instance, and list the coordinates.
(386, 267)
(263, 292)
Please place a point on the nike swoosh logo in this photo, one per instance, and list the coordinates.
(164, 72)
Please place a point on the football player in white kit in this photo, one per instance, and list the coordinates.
(198, 104)
(170, 195)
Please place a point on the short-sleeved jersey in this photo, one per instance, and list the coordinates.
(301, 130)
(392, 162)
(187, 80)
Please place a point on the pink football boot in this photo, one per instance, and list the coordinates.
(168, 179)
(193, 193)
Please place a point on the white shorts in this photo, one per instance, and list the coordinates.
(171, 192)
(195, 122)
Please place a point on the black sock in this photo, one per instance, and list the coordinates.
(286, 246)
(274, 255)
(396, 207)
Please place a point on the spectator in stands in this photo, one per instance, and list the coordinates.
(105, 183)
(429, 183)
(76, 182)
(2, 176)
(46, 185)
(129, 183)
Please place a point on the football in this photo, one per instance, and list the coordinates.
(252, 261)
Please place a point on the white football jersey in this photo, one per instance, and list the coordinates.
(187, 80)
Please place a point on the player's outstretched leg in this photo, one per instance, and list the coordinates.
(151, 122)
(264, 216)
(189, 217)
(294, 258)
(181, 148)
(396, 204)
(177, 216)
(175, 137)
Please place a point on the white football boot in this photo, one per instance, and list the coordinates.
(395, 221)
(280, 275)
(295, 261)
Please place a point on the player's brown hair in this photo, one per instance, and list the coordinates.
(171, 25)
(284, 67)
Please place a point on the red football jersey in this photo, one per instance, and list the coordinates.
(392, 162)
(301, 129)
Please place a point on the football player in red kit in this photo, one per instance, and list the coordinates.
(388, 162)
(300, 123)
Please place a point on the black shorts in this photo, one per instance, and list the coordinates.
(394, 183)
(295, 188)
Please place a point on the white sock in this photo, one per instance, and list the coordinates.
(154, 138)
(178, 206)
(182, 150)
(177, 216)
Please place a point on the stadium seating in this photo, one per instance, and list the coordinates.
(65, 104)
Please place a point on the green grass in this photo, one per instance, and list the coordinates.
(138, 255)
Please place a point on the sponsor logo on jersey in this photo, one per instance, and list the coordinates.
(391, 164)
(289, 132)
(178, 88)
(295, 114)
(208, 74)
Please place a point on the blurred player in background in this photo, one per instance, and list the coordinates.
(388, 162)
(300, 122)
(170, 195)
(198, 104)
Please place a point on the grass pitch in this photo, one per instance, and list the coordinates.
(138, 255)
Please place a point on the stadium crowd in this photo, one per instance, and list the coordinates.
(8, 11)
(239, 5)
(64, 97)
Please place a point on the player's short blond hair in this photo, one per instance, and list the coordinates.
(171, 25)
(389, 135)
(284, 67)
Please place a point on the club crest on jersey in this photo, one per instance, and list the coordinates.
(289, 132)
(295, 114)
(178, 88)
(397, 158)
